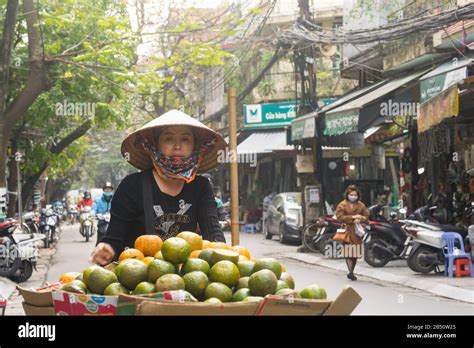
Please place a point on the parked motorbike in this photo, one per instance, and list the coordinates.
(49, 226)
(425, 214)
(87, 223)
(317, 235)
(384, 242)
(102, 224)
(424, 250)
(377, 214)
(31, 220)
(18, 251)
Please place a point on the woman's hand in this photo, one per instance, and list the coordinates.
(102, 254)
(357, 217)
(357, 221)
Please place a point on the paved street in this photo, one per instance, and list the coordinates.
(72, 254)
(379, 297)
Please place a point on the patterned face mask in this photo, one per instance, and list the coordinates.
(173, 167)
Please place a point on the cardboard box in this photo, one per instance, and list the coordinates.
(127, 304)
(41, 297)
(148, 307)
(66, 303)
(344, 304)
(34, 310)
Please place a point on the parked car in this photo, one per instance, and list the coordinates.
(284, 217)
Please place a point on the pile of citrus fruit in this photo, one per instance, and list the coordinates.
(210, 271)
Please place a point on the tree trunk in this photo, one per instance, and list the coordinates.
(38, 80)
(6, 43)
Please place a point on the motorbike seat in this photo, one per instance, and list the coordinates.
(449, 228)
(22, 237)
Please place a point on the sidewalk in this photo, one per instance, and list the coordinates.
(8, 288)
(461, 289)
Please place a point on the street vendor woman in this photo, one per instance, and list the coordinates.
(170, 150)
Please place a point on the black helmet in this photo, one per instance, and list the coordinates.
(108, 184)
(87, 195)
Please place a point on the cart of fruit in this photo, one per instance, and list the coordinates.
(187, 275)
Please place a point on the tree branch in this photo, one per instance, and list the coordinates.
(31, 180)
(69, 139)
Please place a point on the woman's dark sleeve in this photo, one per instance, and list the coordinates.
(124, 211)
(207, 215)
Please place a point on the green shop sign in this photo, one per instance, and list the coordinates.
(435, 85)
(272, 115)
(342, 122)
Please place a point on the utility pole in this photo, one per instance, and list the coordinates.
(234, 174)
(306, 64)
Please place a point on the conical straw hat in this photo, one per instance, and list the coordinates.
(133, 151)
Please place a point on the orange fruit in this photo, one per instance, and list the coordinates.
(69, 277)
(149, 245)
(131, 254)
(242, 250)
(195, 254)
(194, 239)
(283, 268)
(176, 250)
(220, 245)
(243, 258)
(148, 259)
(206, 244)
(253, 259)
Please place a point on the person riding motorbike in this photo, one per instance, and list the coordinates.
(101, 206)
(86, 200)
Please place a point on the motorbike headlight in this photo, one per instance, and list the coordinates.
(87, 223)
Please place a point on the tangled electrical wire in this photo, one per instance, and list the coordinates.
(305, 33)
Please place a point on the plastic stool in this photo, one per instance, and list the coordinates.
(458, 267)
(250, 228)
(450, 239)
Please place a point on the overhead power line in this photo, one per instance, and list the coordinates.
(307, 33)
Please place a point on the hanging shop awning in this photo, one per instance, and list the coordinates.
(444, 76)
(345, 119)
(264, 142)
(438, 108)
(304, 127)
